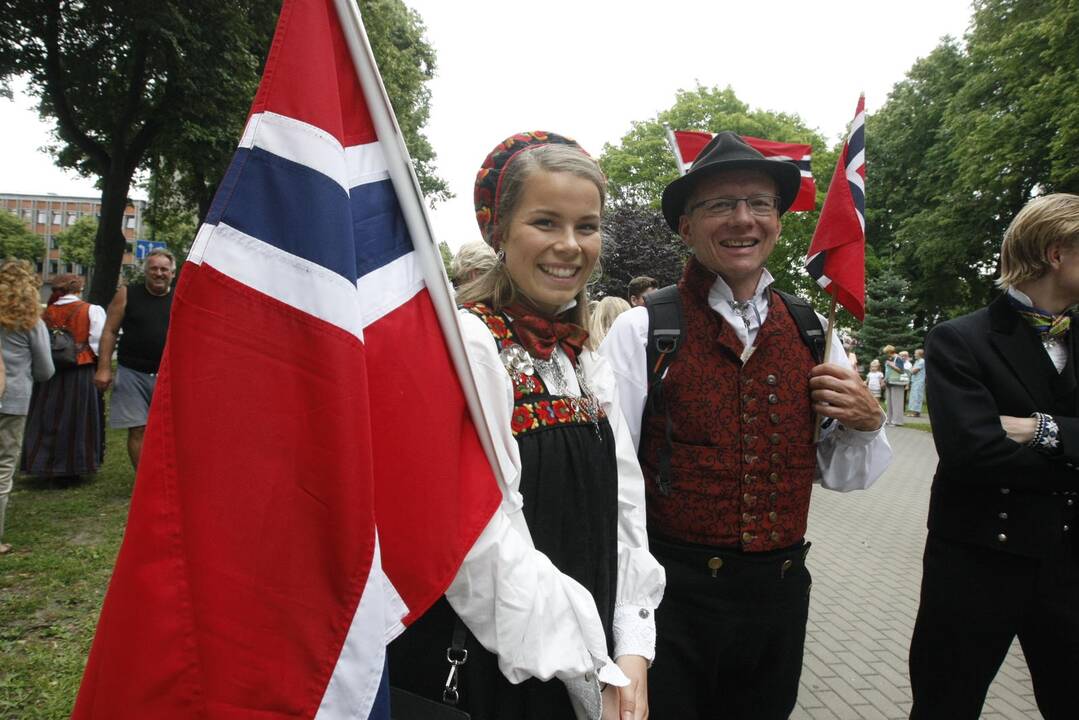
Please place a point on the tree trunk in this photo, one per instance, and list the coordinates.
(110, 243)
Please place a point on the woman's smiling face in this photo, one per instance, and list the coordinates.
(553, 239)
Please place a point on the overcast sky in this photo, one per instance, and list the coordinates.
(589, 68)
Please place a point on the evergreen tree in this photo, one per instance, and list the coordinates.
(889, 318)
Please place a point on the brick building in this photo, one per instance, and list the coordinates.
(49, 215)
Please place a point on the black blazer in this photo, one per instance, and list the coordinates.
(990, 490)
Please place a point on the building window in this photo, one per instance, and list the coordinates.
(41, 218)
(56, 219)
(72, 218)
(50, 241)
(54, 266)
(39, 265)
(130, 221)
(27, 215)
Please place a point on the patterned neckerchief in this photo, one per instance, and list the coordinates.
(1049, 327)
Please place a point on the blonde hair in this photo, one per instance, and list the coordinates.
(873, 362)
(887, 350)
(20, 303)
(1042, 222)
(495, 287)
(608, 309)
(472, 260)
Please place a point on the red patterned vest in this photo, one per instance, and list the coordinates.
(76, 318)
(742, 452)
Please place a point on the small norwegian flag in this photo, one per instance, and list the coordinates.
(836, 257)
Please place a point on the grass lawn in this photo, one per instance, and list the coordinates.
(53, 583)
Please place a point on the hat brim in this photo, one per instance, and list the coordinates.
(787, 176)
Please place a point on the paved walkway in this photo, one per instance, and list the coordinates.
(866, 565)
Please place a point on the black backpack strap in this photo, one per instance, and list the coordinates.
(808, 322)
(666, 333)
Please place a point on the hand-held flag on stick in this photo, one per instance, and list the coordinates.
(687, 145)
(836, 257)
(311, 477)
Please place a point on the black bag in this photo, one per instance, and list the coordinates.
(410, 706)
(65, 350)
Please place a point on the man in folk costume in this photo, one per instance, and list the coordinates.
(728, 451)
(1002, 558)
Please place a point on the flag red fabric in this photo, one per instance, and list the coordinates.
(307, 415)
(691, 142)
(836, 257)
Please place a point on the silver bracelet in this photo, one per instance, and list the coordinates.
(1047, 435)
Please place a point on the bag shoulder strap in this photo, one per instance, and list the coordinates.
(666, 331)
(808, 322)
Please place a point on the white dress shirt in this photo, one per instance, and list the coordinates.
(539, 622)
(847, 459)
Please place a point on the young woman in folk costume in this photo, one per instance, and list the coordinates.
(561, 580)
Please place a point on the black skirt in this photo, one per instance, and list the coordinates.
(569, 482)
(65, 431)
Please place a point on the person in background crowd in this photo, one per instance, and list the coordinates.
(917, 384)
(1002, 556)
(26, 359)
(561, 580)
(65, 434)
(896, 380)
(729, 455)
(142, 313)
(604, 316)
(874, 380)
(473, 260)
(638, 288)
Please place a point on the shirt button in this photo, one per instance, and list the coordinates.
(643, 614)
(1002, 538)
(1003, 516)
(1004, 491)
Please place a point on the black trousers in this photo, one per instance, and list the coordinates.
(974, 602)
(730, 634)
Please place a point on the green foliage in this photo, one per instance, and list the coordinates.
(637, 241)
(447, 256)
(889, 318)
(963, 142)
(16, 240)
(77, 242)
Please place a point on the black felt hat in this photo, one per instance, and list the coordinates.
(728, 151)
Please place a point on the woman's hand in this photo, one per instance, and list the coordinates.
(629, 702)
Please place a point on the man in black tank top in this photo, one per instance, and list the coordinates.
(141, 313)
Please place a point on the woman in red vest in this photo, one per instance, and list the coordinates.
(64, 429)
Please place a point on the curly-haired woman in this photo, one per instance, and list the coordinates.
(26, 360)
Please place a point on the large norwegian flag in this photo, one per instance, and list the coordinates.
(688, 144)
(836, 257)
(308, 415)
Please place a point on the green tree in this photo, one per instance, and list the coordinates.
(16, 240)
(77, 242)
(119, 76)
(889, 318)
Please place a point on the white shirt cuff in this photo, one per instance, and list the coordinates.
(635, 631)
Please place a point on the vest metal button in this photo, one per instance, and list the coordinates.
(747, 537)
(714, 564)
(774, 418)
(1067, 528)
(1003, 516)
(746, 417)
(773, 497)
(749, 458)
(774, 477)
(749, 499)
(747, 518)
(1002, 538)
(747, 439)
(747, 399)
(747, 478)
(776, 458)
(771, 380)
(773, 516)
(773, 399)
(774, 439)
(775, 536)
(1070, 502)
(1004, 491)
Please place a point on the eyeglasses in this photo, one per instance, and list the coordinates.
(762, 205)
